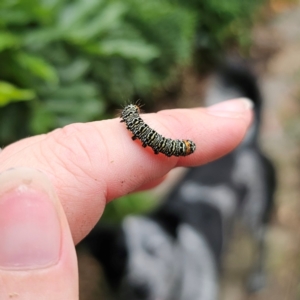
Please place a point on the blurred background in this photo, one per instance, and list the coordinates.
(78, 61)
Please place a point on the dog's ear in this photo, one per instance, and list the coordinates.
(168, 218)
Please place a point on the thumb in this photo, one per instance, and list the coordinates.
(37, 253)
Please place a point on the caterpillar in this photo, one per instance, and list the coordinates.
(149, 137)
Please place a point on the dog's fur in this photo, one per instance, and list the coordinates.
(175, 252)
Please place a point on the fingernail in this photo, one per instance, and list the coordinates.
(231, 108)
(30, 229)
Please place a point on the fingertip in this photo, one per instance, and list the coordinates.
(239, 105)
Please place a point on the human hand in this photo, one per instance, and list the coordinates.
(54, 187)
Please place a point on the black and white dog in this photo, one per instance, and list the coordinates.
(175, 252)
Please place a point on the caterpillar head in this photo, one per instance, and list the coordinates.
(190, 147)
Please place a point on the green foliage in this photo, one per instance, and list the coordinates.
(131, 204)
(81, 57)
(77, 59)
(221, 23)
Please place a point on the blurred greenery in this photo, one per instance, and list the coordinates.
(66, 61)
(131, 204)
(76, 59)
(222, 23)
(10, 93)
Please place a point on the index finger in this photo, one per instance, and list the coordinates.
(92, 163)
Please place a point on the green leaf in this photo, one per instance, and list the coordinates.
(75, 13)
(8, 40)
(107, 19)
(75, 70)
(10, 93)
(36, 39)
(127, 49)
(38, 67)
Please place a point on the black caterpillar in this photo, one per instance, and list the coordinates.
(149, 137)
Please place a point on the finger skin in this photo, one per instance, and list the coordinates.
(56, 281)
(90, 164)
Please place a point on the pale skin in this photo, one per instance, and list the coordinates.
(88, 165)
